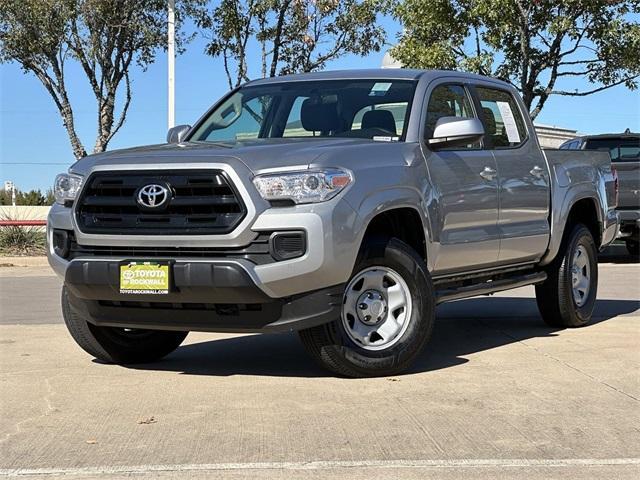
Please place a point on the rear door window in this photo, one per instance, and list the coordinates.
(504, 125)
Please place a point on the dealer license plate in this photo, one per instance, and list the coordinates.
(144, 278)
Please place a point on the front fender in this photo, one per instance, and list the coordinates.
(389, 198)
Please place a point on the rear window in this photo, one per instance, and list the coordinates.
(621, 149)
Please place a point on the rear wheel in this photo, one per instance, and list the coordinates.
(118, 345)
(387, 315)
(568, 296)
(633, 247)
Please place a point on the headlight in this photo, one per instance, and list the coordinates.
(66, 187)
(307, 186)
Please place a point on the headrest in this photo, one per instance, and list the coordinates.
(438, 108)
(489, 121)
(441, 108)
(382, 119)
(319, 117)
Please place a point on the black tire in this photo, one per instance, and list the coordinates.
(333, 349)
(633, 247)
(555, 296)
(117, 345)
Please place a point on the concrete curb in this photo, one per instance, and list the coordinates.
(38, 261)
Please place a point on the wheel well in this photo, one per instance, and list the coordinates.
(584, 211)
(402, 223)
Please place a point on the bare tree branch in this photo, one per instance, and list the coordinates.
(594, 90)
(125, 108)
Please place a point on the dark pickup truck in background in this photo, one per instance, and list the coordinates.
(624, 149)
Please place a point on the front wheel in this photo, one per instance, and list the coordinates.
(118, 345)
(568, 296)
(633, 247)
(387, 315)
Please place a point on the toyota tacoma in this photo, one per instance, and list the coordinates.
(341, 205)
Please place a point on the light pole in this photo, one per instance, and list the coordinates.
(171, 63)
(9, 186)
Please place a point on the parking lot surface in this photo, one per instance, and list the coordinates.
(496, 394)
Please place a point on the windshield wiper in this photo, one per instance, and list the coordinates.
(215, 144)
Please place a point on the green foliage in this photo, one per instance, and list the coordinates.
(31, 198)
(104, 36)
(532, 44)
(293, 35)
(321, 30)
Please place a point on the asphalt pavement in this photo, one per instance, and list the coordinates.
(496, 394)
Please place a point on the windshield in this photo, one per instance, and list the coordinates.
(331, 108)
(625, 149)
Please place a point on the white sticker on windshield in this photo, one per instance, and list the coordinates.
(379, 89)
(381, 138)
(509, 122)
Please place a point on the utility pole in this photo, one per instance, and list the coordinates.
(171, 63)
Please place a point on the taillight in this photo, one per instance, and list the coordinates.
(616, 184)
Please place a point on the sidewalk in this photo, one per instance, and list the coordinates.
(39, 261)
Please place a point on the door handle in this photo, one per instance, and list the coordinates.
(537, 171)
(488, 173)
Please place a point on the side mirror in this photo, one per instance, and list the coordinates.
(177, 133)
(456, 132)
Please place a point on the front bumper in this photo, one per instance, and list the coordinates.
(331, 249)
(217, 293)
(205, 296)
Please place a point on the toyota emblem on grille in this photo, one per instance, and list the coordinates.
(153, 196)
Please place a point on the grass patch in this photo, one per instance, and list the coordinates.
(19, 241)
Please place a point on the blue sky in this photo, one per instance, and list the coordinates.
(34, 146)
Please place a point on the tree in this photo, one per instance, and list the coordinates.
(531, 44)
(49, 197)
(293, 35)
(106, 37)
(230, 26)
(5, 197)
(31, 198)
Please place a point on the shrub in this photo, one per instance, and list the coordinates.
(21, 240)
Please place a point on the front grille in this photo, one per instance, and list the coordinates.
(257, 251)
(202, 202)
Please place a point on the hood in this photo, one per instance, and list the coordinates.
(257, 155)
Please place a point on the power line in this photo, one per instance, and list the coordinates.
(33, 163)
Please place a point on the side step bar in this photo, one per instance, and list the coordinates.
(488, 287)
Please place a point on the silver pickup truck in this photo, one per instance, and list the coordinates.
(624, 150)
(343, 205)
